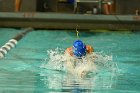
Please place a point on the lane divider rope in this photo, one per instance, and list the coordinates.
(13, 42)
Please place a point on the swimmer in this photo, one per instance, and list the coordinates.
(78, 51)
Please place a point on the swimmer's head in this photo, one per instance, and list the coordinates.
(79, 48)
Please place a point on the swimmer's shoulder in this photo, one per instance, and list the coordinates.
(69, 51)
(89, 48)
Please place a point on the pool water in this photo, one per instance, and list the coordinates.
(35, 65)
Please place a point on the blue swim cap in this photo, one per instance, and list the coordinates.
(79, 48)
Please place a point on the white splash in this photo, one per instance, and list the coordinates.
(91, 63)
(98, 66)
(54, 60)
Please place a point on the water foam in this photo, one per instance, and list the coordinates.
(97, 65)
(54, 60)
(58, 60)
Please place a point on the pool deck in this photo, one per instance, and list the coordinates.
(69, 21)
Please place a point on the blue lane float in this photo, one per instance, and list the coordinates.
(13, 42)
